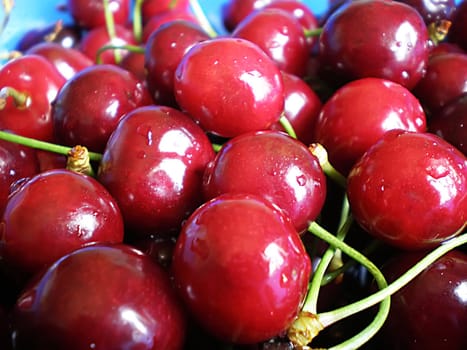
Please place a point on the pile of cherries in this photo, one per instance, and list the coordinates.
(291, 182)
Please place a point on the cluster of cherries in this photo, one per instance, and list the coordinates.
(293, 182)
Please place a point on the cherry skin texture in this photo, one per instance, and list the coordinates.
(39, 80)
(54, 213)
(280, 35)
(431, 311)
(89, 106)
(274, 166)
(102, 297)
(375, 38)
(153, 165)
(238, 259)
(410, 190)
(242, 87)
(91, 13)
(359, 113)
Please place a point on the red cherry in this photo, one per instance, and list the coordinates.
(153, 165)
(458, 29)
(433, 10)
(234, 11)
(242, 87)
(102, 297)
(134, 63)
(54, 213)
(89, 106)
(375, 38)
(274, 166)
(280, 35)
(91, 13)
(359, 113)
(152, 8)
(238, 259)
(166, 17)
(38, 82)
(409, 190)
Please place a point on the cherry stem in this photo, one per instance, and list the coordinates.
(172, 4)
(138, 21)
(284, 121)
(320, 152)
(7, 7)
(202, 19)
(79, 162)
(110, 24)
(127, 47)
(20, 99)
(309, 33)
(42, 145)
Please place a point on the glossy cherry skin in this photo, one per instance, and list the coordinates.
(165, 17)
(165, 48)
(102, 297)
(153, 165)
(234, 11)
(16, 162)
(280, 35)
(150, 8)
(444, 81)
(451, 123)
(375, 38)
(274, 166)
(242, 87)
(433, 10)
(458, 29)
(301, 108)
(39, 80)
(54, 213)
(91, 13)
(430, 312)
(238, 259)
(359, 113)
(409, 190)
(89, 106)
(68, 61)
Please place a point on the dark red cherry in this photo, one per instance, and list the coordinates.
(101, 297)
(359, 113)
(91, 13)
(166, 17)
(16, 162)
(165, 49)
(90, 104)
(280, 35)
(65, 34)
(375, 38)
(36, 81)
(239, 259)
(68, 61)
(153, 165)
(433, 11)
(457, 31)
(409, 190)
(301, 108)
(431, 311)
(444, 81)
(152, 8)
(134, 63)
(234, 11)
(274, 166)
(451, 123)
(242, 87)
(54, 213)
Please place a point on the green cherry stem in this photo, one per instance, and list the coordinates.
(202, 19)
(320, 152)
(110, 24)
(138, 21)
(42, 145)
(284, 121)
(7, 7)
(313, 32)
(127, 47)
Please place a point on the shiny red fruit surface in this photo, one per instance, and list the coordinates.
(241, 90)
(100, 297)
(410, 190)
(241, 268)
(91, 13)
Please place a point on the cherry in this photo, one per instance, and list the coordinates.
(90, 104)
(109, 297)
(238, 259)
(165, 17)
(153, 165)
(91, 13)
(242, 87)
(444, 81)
(430, 312)
(68, 61)
(29, 84)
(280, 35)
(459, 26)
(359, 113)
(152, 8)
(301, 108)
(234, 11)
(65, 34)
(433, 11)
(134, 63)
(274, 166)
(54, 213)
(451, 123)
(165, 48)
(408, 175)
(375, 38)
(16, 162)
